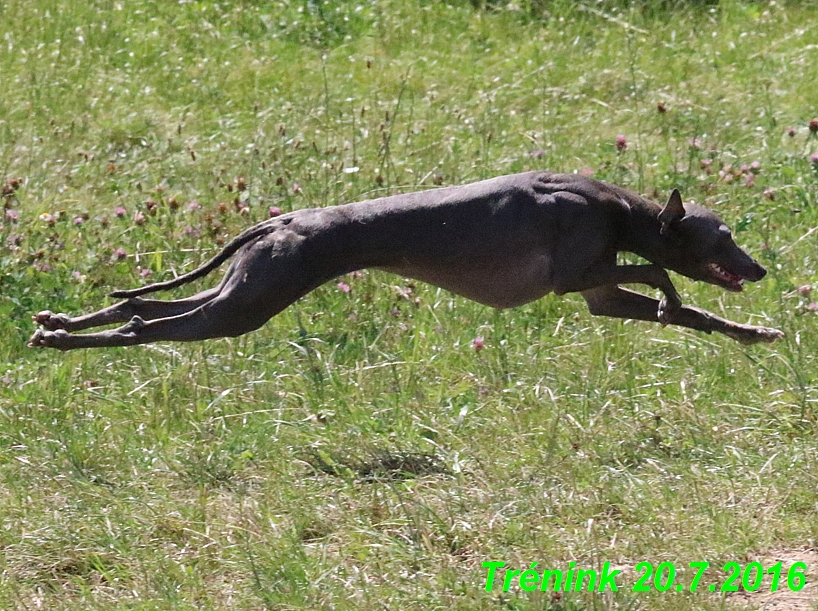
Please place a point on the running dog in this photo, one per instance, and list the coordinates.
(501, 242)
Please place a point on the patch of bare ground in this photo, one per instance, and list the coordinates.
(784, 599)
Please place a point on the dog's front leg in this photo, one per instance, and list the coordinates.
(617, 302)
(604, 275)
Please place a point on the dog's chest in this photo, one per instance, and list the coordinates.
(499, 283)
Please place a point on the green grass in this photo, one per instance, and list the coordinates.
(271, 471)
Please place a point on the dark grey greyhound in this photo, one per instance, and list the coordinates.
(501, 242)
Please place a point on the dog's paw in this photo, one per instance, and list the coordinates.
(51, 321)
(134, 325)
(747, 334)
(668, 309)
(767, 334)
(49, 339)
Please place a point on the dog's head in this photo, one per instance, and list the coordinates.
(700, 246)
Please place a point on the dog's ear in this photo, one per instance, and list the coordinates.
(673, 211)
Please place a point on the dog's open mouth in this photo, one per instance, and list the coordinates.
(728, 280)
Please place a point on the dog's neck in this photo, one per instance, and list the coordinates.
(641, 232)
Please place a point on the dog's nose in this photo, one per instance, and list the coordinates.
(760, 272)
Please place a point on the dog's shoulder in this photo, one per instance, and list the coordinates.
(575, 190)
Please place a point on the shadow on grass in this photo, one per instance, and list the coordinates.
(382, 464)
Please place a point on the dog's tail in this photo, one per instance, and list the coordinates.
(223, 255)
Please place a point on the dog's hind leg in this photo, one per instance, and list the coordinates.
(146, 309)
(228, 314)
(263, 282)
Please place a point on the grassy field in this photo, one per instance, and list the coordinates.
(359, 451)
